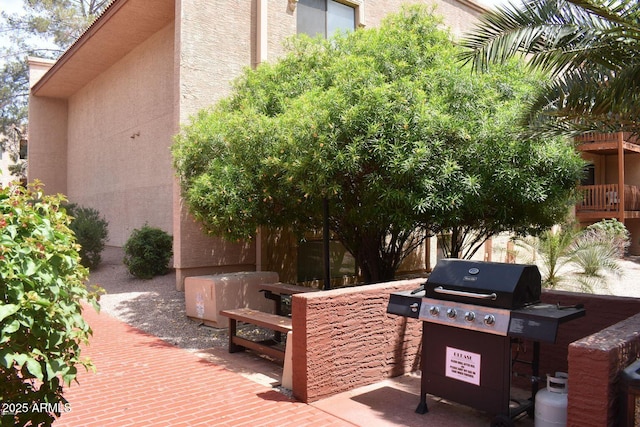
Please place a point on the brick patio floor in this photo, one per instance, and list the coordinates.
(141, 380)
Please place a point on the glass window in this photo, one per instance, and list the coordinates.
(340, 17)
(589, 177)
(311, 261)
(324, 17)
(23, 149)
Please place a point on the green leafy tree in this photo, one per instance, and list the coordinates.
(41, 290)
(382, 124)
(520, 185)
(591, 49)
(45, 29)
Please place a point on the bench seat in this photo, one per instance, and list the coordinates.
(270, 321)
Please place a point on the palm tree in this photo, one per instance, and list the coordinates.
(591, 50)
(552, 251)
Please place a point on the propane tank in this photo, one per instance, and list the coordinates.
(551, 403)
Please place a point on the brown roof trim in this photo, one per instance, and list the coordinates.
(473, 5)
(100, 21)
(123, 25)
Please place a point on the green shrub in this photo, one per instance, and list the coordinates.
(91, 232)
(147, 252)
(41, 289)
(614, 232)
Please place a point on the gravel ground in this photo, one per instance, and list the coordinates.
(155, 306)
(627, 285)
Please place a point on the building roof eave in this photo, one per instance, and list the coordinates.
(122, 26)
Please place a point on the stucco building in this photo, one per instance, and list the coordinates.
(102, 118)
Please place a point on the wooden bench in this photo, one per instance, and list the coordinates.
(274, 322)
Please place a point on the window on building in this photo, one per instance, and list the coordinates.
(311, 259)
(324, 17)
(589, 177)
(23, 149)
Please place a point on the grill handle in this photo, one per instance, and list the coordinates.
(441, 290)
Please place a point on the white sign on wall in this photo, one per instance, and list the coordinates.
(463, 365)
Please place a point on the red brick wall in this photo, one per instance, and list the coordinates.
(343, 339)
(596, 363)
(602, 311)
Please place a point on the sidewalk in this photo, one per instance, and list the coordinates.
(143, 381)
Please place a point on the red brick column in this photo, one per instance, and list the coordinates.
(595, 365)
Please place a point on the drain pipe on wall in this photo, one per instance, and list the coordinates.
(261, 31)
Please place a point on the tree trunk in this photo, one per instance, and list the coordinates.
(373, 267)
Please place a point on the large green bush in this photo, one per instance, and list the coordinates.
(147, 252)
(614, 232)
(41, 290)
(91, 232)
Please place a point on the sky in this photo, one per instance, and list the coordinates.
(11, 5)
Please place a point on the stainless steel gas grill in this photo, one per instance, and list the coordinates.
(473, 313)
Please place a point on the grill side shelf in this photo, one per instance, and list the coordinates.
(540, 322)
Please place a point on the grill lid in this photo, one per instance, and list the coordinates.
(491, 284)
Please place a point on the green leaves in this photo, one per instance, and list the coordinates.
(387, 127)
(41, 289)
(581, 44)
(7, 310)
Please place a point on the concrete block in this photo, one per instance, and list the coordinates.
(205, 296)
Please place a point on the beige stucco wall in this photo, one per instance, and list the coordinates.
(214, 42)
(48, 128)
(48, 158)
(119, 138)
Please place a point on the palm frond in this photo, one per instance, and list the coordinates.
(593, 99)
(557, 35)
(591, 50)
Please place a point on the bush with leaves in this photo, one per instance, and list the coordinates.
(147, 252)
(91, 232)
(41, 293)
(568, 254)
(615, 232)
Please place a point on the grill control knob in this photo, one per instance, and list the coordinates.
(414, 307)
(469, 316)
(451, 313)
(489, 319)
(434, 310)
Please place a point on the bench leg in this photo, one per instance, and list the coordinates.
(233, 347)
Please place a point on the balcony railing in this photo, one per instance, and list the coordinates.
(605, 198)
(604, 137)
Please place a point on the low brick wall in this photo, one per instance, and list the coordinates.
(602, 311)
(343, 339)
(595, 366)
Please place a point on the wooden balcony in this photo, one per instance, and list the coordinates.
(603, 201)
(608, 143)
